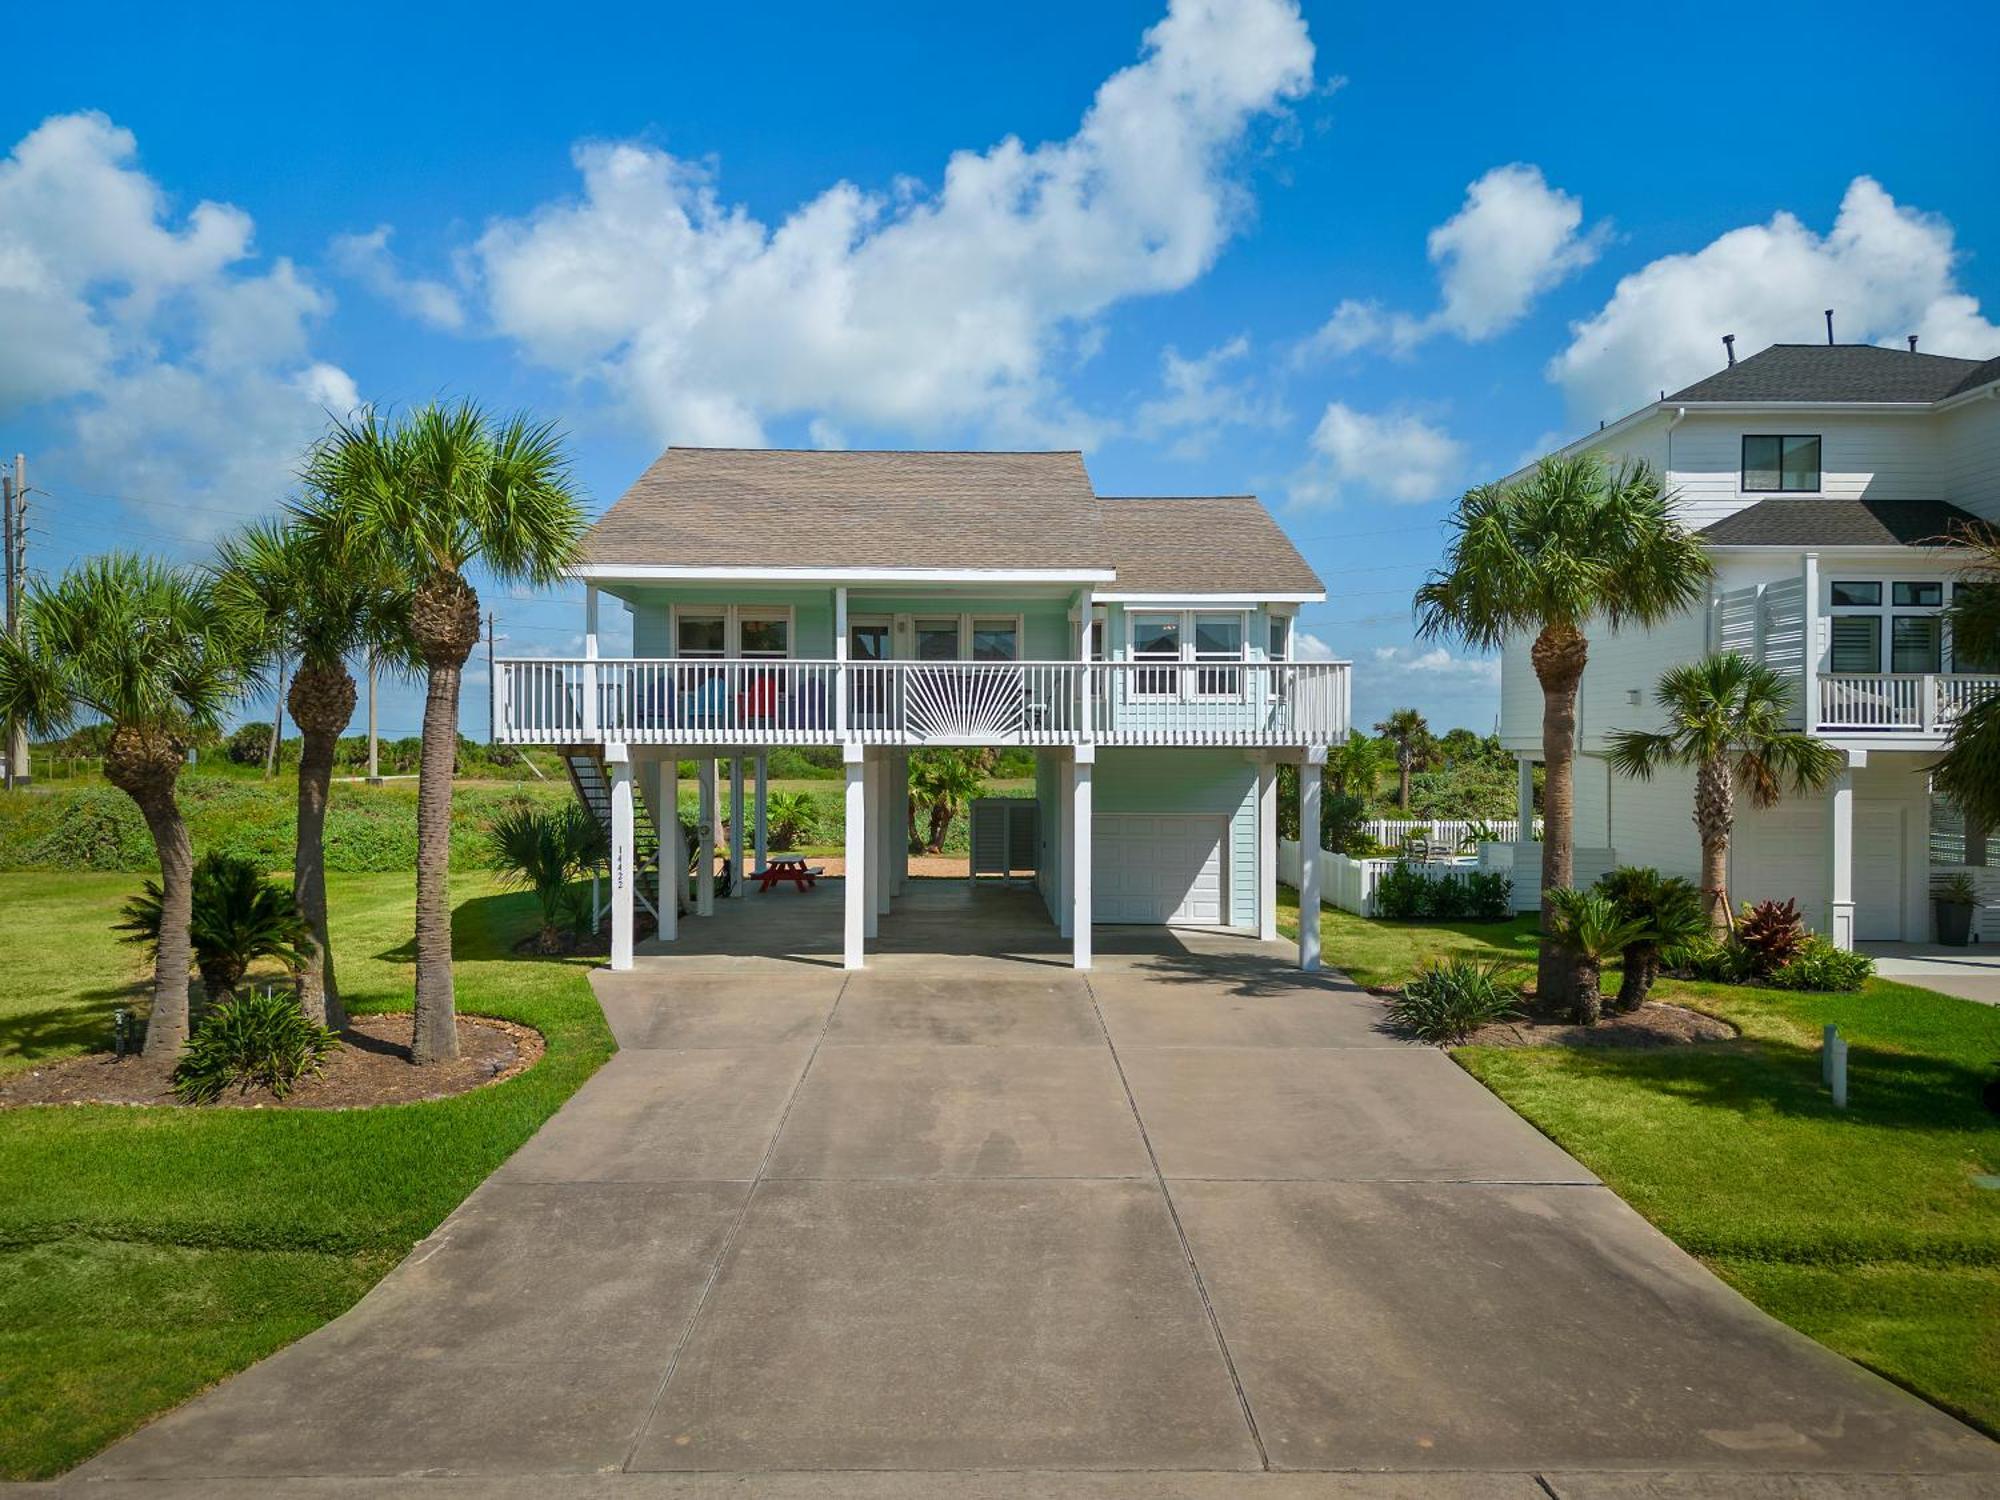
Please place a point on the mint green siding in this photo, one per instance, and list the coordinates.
(1171, 780)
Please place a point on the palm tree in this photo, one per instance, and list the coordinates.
(545, 851)
(1573, 544)
(1668, 910)
(943, 781)
(142, 646)
(431, 495)
(1969, 773)
(790, 817)
(238, 917)
(1587, 926)
(1729, 719)
(1410, 733)
(301, 588)
(1355, 768)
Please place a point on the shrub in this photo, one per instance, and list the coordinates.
(250, 1041)
(1587, 926)
(1818, 965)
(1669, 912)
(1407, 894)
(250, 745)
(1715, 960)
(1450, 998)
(792, 818)
(544, 850)
(238, 917)
(1770, 934)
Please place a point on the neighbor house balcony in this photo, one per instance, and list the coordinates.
(1913, 704)
(547, 701)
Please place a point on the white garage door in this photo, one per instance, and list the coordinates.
(1159, 869)
(1878, 872)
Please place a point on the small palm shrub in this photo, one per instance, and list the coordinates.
(1818, 965)
(1589, 928)
(240, 915)
(1770, 933)
(1670, 914)
(792, 818)
(545, 850)
(1450, 998)
(251, 1041)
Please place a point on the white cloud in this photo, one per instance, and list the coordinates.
(1436, 663)
(1514, 239)
(1885, 269)
(1309, 647)
(919, 309)
(1398, 456)
(182, 373)
(368, 259)
(1200, 401)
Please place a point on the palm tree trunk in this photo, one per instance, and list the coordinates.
(444, 616)
(1560, 654)
(1714, 817)
(1587, 1005)
(322, 701)
(1403, 781)
(144, 767)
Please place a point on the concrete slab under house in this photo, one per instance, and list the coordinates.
(886, 602)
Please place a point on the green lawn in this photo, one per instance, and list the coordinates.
(1863, 1228)
(146, 1253)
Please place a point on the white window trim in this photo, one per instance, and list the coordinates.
(1188, 689)
(904, 636)
(1887, 613)
(732, 628)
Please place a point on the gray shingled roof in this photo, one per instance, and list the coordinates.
(1841, 372)
(1840, 523)
(1219, 544)
(739, 507)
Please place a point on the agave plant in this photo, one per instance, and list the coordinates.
(544, 851)
(239, 916)
(1587, 926)
(1669, 911)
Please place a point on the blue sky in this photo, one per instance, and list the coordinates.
(1352, 258)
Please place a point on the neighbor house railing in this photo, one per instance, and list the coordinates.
(547, 700)
(1899, 702)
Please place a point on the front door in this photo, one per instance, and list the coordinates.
(1878, 872)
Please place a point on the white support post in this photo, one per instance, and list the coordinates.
(1310, 773)
(738, 886)
(1085, 705)
(899, 822)
(840, 670)
(883, 864)
(704, 875)
(591, 727)
(1524, 800)
(855, 928)
(624, 856)
(1267, 849)
(870, 871)
(1080, 771)
(763, 807)
(1840, 860)
(673, 839)
(1066, 877)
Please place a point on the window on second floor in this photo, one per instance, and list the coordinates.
(699, 635)
(1774, 465)
(1901, 615)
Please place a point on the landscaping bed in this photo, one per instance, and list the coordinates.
(1654, 1024)
(371, 1068)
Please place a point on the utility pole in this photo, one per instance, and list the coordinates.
(14, 542)
(374, 759)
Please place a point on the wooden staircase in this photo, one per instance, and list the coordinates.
(592, 783)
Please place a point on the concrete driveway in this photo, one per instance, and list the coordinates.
(1195, 1227)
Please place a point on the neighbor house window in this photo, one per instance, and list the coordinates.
(1895, 625)
(701, 635)
(1916, 644)
(1218, 638)
(996, 640)
(1857, 643)
(1777, 464)
(1156, 638)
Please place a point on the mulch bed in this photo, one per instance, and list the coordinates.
(1653, 1024)
(372, 1068)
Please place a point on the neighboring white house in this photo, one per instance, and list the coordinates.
(883, 602)
(1824, 479)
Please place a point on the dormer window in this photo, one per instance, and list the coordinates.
(1780, 465)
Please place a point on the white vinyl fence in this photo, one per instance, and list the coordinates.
(1449, 832)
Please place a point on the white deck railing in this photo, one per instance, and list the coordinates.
(1899, 702)
(686, 701)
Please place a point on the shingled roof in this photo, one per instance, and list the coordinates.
(1841, 372)
(777, 508)
(1219, 544)
(1840, 523)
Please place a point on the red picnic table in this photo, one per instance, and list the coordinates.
(786, 867)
